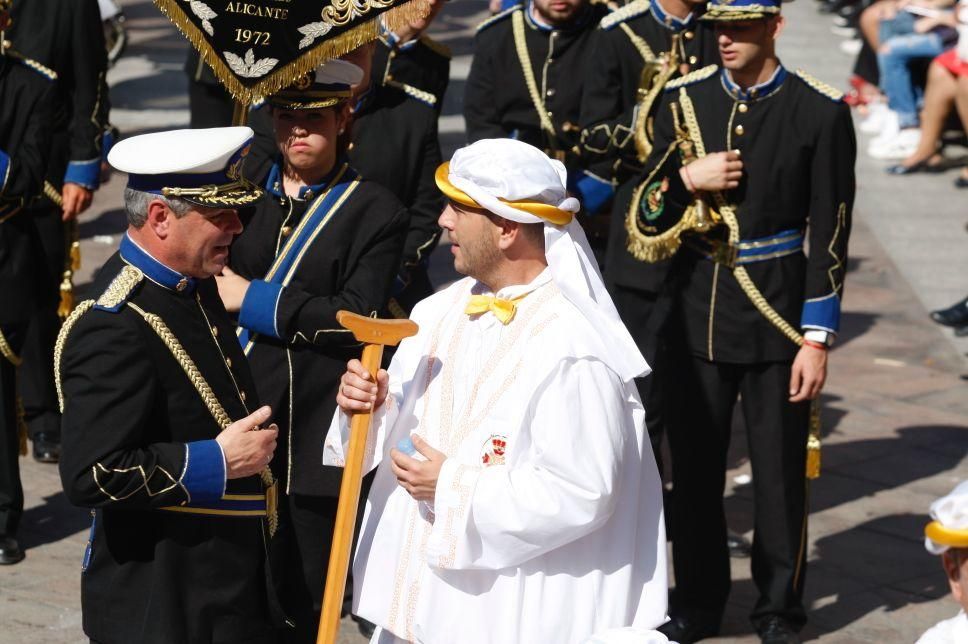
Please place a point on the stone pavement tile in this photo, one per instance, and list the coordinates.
(877, 615)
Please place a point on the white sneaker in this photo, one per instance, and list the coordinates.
(900, 146)
(877, 118)
(851, 47)
(890, 127)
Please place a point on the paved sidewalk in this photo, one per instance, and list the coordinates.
(895, 408)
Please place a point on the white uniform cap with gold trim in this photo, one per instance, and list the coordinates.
(519, 182)
(950, 526)
(201, 166)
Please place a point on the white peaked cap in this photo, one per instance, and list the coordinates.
(950, 526)
(338, 72)
(179, 151)
(627, 635)
(519, 182)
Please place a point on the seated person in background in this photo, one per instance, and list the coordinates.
(947, 535)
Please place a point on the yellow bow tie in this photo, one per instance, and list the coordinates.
(503, 310)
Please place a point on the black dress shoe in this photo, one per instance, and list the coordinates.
(686, 631)
(955, 315)
(961, 182)
(776, 630)
(739, 547)
(46, 449)
(10, 551)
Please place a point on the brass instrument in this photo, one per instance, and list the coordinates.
(704, 217)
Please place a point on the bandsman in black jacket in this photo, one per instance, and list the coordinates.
(754, 160)
(160, 411)
(408, 57)
(25, 112)
(65, 36)
(324, 239)
(665, 39)
(394, 143)
(526, 79)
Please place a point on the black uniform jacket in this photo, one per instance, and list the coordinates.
(625, 40)
(395, 144)
(497, 102)
(797, 144)
(67, 37)
(171, 558)
(421, 67)
(308, 260)
(26, 102)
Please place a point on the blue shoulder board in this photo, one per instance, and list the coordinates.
(498, 17)
(120, 289)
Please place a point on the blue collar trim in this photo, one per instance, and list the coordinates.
(669, 21)
(275, 188)
(756, 92)
(155, 270)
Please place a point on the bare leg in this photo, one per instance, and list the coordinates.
(939, 95)
(961, 104)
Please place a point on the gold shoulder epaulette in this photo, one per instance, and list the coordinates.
(620, 15)
(43, 70)
(820, 87)
(496, 18)
(120, 289)
(413, 92)
(692, 77)
(438, 48)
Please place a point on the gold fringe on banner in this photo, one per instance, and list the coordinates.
(334, 47)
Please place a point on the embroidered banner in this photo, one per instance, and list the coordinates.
(256, 47)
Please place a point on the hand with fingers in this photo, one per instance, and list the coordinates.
(418, 476)
(716, 171)
(808, 374)
(358, 393)
(232, 288)
(248, 446)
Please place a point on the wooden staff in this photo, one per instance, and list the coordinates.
(374, 334)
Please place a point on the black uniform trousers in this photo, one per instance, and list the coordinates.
(41, 408)
(300, 552)
(11, 492)
(699, 432)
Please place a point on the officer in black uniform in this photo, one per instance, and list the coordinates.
(409, 58)
(395, 144)
(324, 239)
(525, 83)
(772, 153)
(65, 36)
(616, 115)
(25, 114)
(160, 411)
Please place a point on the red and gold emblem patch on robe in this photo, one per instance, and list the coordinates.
(492, 453)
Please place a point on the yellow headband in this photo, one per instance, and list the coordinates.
(946, 536)
(549, 213)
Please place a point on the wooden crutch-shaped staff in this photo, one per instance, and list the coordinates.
(374, 334)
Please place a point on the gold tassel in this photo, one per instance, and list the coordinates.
(71, 263)
(272, 507)
(66, 296)
(813, 441)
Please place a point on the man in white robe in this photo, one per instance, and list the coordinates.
(947, 535)
(532, 511)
